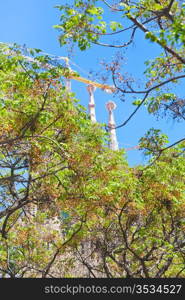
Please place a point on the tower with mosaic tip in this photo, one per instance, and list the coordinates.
(113, 144)
(92, 113)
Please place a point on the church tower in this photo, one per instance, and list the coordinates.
(111, 106)
(92, 112)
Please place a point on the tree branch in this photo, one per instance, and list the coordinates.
(164, 46)
(133, 113)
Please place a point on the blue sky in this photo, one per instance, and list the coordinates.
(30, 22)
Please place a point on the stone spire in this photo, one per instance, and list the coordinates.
(112, 131)
(92, 112)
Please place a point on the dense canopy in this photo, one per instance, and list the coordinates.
(69, 205)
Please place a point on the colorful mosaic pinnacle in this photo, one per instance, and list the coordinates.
(113, 144)
(91, 89)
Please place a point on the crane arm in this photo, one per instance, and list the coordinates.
(96, 84)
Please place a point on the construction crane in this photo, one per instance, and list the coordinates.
(105, 87)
